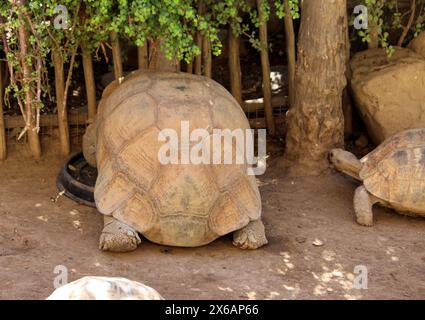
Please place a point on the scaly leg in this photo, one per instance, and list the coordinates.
(363, 203)
(117, 236)
(89, 144)
(251, 236)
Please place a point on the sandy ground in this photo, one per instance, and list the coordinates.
(37, 234)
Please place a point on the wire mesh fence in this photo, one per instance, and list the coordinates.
(49, 132)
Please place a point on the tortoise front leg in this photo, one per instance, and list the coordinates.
(363, 203)
(117, 236)
(89, 144)
(252, 236)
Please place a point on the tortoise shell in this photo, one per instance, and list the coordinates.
(174, 204)
(104, 288)
(395, 171)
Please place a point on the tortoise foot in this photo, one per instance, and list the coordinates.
(365, 222)
(118, 237)
(252, 236)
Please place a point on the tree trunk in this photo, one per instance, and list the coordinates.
(158, 60)
(116, 55)
(235, 67)
(347, 105)
(206, 57)
(34, 142)
(265, 65)
(198, 58)
(90, 84)
(189, 68)
(3, 149)
(290, 52)
(31, 127)
(374, 37)
(316, 123)
(142, 56)
(60, 102)
(199, 42)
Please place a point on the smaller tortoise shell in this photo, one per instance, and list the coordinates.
(105, 288)
(395, 171)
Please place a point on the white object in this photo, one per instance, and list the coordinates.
(105, 288)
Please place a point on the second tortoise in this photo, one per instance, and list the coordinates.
(393, 175)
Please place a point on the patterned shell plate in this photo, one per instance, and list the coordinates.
(395, 171)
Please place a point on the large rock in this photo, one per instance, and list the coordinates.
(418, 44)
(389, 91)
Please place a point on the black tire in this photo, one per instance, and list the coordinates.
(74, 189)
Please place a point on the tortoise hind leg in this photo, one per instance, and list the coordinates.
(252, 236)
(117, 236)
(363, 203)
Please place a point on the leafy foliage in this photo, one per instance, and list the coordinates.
(389, 18)
(172, 23)
(293, 5)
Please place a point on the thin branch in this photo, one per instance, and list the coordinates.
(409, 24)
(68, 80)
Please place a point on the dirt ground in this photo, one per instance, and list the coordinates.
(37, 234)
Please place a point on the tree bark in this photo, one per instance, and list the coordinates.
(3, 148)
(189, 67)
(31, 127)
(198, 58)
(235, 67)
(199, 42)
(34, 142)
(142, 56)
(116, 55)
(347, 105)
(316, 122)
(265, 66)
(90, 84)
(206, 57)
(290, 52)
(158, 60)
(374, 36)
(60, 102)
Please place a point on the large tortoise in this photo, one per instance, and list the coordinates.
(174, 204)
(393, 175)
